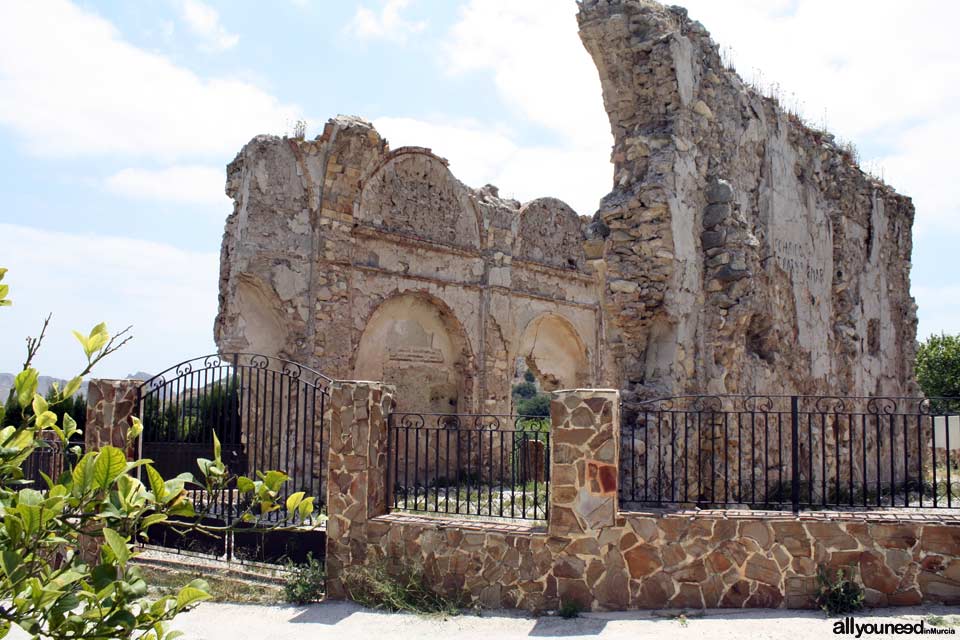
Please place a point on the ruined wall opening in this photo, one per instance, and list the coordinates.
(259, 327)
(555, 353)
(414, 341)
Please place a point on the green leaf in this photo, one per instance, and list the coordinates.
(135, 430)
(110, 463)
(190, 595)
(305, 509)
(69, 426)
(294, 501)
(244, 484)
(153, 518)
(39, 404)
(216, 447)
(46, 419)
(273, 479)
(182, 508)
(26, 385)
(83, 473)
(9, 560)
(72, 387)
(157, 485)
(117, 545)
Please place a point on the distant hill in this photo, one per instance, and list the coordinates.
(45, 382)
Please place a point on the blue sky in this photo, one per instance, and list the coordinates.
(117, 119)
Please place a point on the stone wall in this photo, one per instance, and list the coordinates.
(745, 252)
(368, 263)
(739, 251)
(603, 559)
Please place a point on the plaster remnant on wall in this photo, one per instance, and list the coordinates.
(738, 251)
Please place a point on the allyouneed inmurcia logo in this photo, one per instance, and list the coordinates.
(850, 627)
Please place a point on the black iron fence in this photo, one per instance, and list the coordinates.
(469, 464)
(795, 452)
(51, 458)
(268, 413)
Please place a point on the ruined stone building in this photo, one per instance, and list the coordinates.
(738, 251)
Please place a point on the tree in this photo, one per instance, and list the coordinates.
(524, 390)
(49, 586)
(938, 370)
(538, 405)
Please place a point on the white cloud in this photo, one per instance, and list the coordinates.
(71, 86)
(542, 73)
(164, 292)
(192, 184)
(385, 24)
(539, 66)
(204, 21)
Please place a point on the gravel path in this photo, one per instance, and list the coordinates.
(347, 621)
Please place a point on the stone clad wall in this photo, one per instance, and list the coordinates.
(110, 406)
(603, 559)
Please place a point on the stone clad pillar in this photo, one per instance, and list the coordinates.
(357, 472)
(110, 406)
(585, 446)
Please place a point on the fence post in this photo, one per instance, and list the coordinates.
(110, 406)
(584, 459)
(357, 472)
(795, 452)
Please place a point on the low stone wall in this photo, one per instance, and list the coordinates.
(602, 559)
(676, 560)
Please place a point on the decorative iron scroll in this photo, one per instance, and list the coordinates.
(218, 362)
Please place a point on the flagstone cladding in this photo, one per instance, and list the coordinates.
(602, 559)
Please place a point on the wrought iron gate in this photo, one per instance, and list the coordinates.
(268, 414)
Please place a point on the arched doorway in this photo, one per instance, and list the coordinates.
(554, 352)
(414, 342)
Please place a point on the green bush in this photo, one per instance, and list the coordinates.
(938, 370)
(306, 582)
(569, 609)
(50, 587)
(524, 390)
(401, 589)
(538, 405)
(838, 595)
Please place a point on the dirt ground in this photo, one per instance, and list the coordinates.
(345, 621)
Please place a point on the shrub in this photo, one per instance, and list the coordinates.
(524, 390)
(49, 587)
(538, 405)
(306, 581)
(402, 589)
(569, 609)
(837, 595)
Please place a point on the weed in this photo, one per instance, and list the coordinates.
(222, 588)
(306, 582)
(837, 595)
(402, 588)
(569, 609)
(942, 621)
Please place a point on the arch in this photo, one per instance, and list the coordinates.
(414, 341)
(550, 234)
(258, 326)
(413, 193)
(554, 352)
